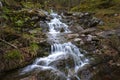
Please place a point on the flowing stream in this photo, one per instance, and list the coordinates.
(61, 49)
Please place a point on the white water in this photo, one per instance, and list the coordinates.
(59, 50)
(55, 25)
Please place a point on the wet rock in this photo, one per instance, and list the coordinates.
(33, 31)
(83, 68)
(67, 13)
(90, 37)
(77, 40)
(105, 34)
(94, 21)
(43, 73)
(117, 32)
(101, 22)
(116, 14)
(62, 62)
(76, 28)
(48, 18)
(34, 18)
(86, 20)
(44, 26)
(71, 36)
(50, 74)
(30, 78)
(78, 14)
(84, 72)
(86, 75)
(1, 5)
(73, 77)
(88, 30)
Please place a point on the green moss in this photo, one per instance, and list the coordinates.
(19, 19)
(28, 36)
(38, 29)
(13, 54)
(4, 16)
(19, 23)
(33, 49)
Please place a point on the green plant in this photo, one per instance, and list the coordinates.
(19, 23)
(31, 4)
(4, 16)
(13, 54)
(33, 49)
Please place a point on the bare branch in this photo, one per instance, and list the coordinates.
(8, 43)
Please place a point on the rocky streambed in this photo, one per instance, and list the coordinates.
(101, 48)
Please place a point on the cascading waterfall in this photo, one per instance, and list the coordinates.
(60, 50)
(56, 25)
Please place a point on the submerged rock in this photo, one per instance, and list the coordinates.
(50, 74)
(45, 73)
(62, 62)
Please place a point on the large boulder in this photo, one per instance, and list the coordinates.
(45, 73)
(51, 74)
(62, 62)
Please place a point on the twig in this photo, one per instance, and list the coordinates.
(8, 43)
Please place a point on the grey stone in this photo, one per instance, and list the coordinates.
(1, 4)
